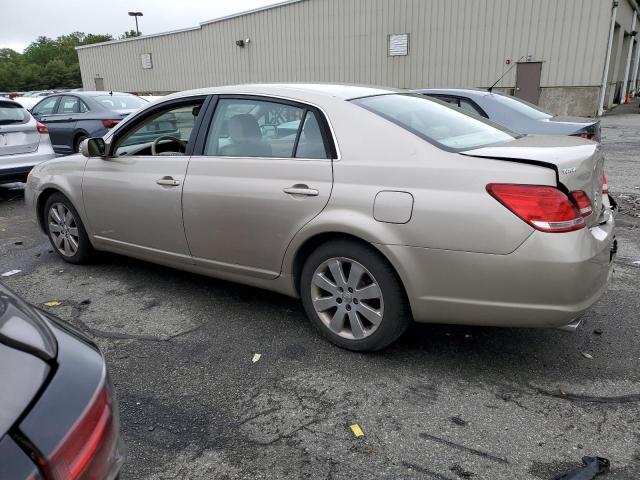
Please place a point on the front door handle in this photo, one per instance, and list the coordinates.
(301, 190)
(168, 182)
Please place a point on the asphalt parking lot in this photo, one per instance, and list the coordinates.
(443, 403)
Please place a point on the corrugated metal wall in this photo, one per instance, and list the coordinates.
(453, 43)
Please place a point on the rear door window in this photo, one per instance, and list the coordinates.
(69, 105)
(253, 128)
(311, 143)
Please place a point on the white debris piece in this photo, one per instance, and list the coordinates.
(10, 272)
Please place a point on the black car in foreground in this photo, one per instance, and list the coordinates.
(58, 415)
(71, 117)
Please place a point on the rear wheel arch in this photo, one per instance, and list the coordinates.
(312, 243)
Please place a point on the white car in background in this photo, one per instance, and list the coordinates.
(24, 142)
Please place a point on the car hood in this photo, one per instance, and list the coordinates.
(27, 352)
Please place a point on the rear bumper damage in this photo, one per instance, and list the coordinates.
(549, 281)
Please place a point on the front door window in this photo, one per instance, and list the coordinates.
(166, 132)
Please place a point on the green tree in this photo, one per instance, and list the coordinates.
(46, 63)
(130, 34)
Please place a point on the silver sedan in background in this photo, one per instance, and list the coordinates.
(516, 114)
(24, 142)
(375, 206)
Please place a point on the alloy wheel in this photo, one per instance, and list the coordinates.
(347, 298)
(63, 229)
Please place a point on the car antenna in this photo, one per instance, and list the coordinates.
(508, 70)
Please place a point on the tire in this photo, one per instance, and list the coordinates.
(70, 230)
(349, 314)
(76, 145)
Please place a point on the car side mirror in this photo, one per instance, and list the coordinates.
(93, 147)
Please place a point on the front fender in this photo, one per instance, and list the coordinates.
(64, 175)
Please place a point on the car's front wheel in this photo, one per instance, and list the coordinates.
(353, 296)
(65, 230)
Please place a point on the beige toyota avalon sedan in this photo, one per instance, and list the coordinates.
(376, 207)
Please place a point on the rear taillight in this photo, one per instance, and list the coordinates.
(86, 450)
(543, 207)
(110, 123)
(583, 202)
(605, 185)
(42, 128)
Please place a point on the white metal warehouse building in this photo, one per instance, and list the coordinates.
(562, 51)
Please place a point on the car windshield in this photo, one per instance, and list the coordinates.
(446, 127)
(120, 102)
(525, 108)
(11, 113)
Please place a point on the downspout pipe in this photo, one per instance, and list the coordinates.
(634, 80)
(625, 83)
(605, 73)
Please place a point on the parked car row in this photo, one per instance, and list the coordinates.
(375, 207)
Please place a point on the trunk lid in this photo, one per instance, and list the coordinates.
(578, 163)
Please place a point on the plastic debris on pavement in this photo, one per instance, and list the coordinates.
(10, 272)
(459, 421)
(591, 468)
(587, 355)
(52, 303)
(637, 263)
(357, 431)
(256, 357)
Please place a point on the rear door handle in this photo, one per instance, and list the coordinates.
(301, 190)
(168, 182)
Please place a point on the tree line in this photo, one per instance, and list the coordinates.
(47, 63)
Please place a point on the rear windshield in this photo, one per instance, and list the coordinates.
(120, 102)
(11, 113)
(447, 128)
(525, 108)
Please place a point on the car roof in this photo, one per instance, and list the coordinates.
(299, 90)
(455, 91)
(93, 93)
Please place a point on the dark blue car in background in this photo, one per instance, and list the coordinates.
(72, 117)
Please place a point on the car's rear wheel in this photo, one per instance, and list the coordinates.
(353, 296)
(65, 230)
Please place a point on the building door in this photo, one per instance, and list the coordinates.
(99, 84)
(528, 81)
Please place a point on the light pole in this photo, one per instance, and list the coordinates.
(136, 15)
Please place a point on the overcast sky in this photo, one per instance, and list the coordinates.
(25, 20)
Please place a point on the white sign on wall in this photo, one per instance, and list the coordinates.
(145, 60)
(398, 44)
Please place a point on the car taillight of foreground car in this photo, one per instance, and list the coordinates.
(88, 449)
(543, 207)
